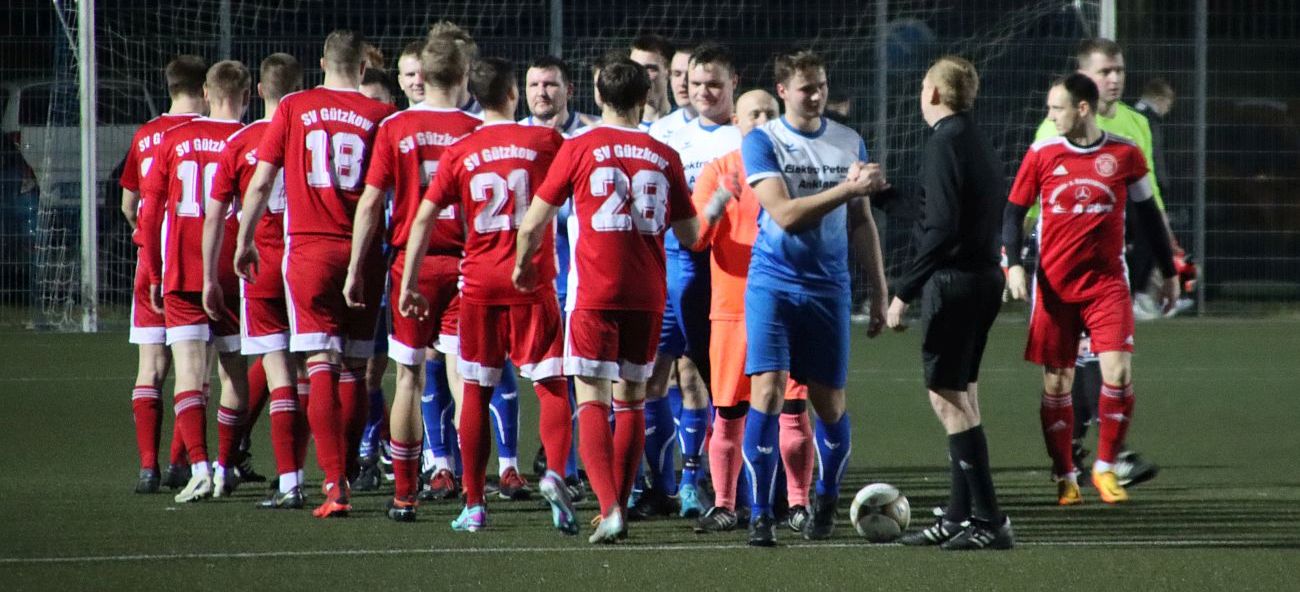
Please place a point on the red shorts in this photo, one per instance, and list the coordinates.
(530, 333)
(1055, 326)
(147, 326)
(187, 321)
(612, 344)
(265, 326)
(319, 319)
(438, 283)
(730, 385)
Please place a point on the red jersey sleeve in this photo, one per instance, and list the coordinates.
(1027, 186)
(130, 179)
(225, 181)
(1137, 166)
(444, 188)
(380, 174)
(271, 150)
(679, 193)
(558, 186)
(154, 204)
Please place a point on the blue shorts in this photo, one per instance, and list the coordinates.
(806, 334)
(381, 328)
(685, 330)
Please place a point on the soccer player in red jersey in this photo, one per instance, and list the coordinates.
(491, 175)
(627, 189)
(1084, 178)
(148, 329)
(322, 139)
(263, 314)
(176, 190)
(408, 150)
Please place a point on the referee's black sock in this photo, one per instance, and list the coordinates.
(958, 509)
(970, 453)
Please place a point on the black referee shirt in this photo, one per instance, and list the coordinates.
(962, 194)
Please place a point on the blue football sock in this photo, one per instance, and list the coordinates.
(660, 442)
(675, 402)
(834, 443)
(695, 424)
(744, 491)
(504, 406)
(431, 406)
(370, 437)
(761, 450)
(571, 467)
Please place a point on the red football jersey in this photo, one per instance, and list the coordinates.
(492, 174)
(179, 183)
(407, 153)
(323, 138)
(1081, 228)
(627, 188)
(234, 172)
(140, 156)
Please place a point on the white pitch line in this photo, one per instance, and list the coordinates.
(596, 549)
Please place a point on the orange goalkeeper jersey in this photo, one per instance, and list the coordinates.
(731, 237)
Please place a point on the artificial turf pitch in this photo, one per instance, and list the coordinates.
(1217, 409)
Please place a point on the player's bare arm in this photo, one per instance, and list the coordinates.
(370, 210)
(865, 239)
(213, 233)
(539, 214)
(687, 230)
(412, 304)
(131, 207)
(795, 215)
(255, 198)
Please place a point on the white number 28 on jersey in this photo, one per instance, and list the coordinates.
(494, 190)
(335, 160)
(644, 211)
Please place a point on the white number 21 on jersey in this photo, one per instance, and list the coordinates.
(646, 209)
(335, 160)
(490, 187)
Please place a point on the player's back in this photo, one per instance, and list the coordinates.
(140, 156)
(626, 188)
(323, 138)
(187, 161)
(816, 258)
(1083, 192)
(408, 151)
(493, 174)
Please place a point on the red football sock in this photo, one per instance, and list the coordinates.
(191, 421)
(595, 444)
(230, 428)
(406, 468)
(177, 453)
(1056, 415)
(284, 421)
(146, 408)
(725, 459)
(259, 394)
(1115, 412)
(797, 455)
(474, 444)
(629, 444)
(354, 403)
(323, 415)
(301, 426)
(553, 422)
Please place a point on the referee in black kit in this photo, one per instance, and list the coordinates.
(957, 276)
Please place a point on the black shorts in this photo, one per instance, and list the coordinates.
(957, 310)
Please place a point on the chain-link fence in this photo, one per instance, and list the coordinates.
(877, 53)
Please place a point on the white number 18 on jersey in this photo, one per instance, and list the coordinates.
(345, 151)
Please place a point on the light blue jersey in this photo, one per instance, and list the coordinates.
(816, 259)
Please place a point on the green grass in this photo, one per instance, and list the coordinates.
(1218, 409)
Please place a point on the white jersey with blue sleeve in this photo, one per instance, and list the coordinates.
(698, 144)
(664, 127)
(816, 259)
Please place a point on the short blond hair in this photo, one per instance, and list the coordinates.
(957, 81)
(227, 79)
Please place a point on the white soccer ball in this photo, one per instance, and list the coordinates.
(880, 513)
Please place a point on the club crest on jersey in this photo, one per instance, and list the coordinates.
(1105, 165)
